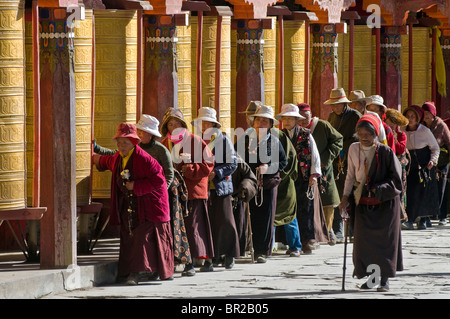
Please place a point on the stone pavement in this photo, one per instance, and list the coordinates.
(426, 260)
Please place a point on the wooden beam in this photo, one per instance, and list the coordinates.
(28, 213)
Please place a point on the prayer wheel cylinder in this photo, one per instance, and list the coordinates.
(115, 87)
(209, 67)
(270, 65)
(12, 105)
(294, 61)
(83, 107)
(183, 62)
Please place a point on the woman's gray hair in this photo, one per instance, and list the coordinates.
(366, 125)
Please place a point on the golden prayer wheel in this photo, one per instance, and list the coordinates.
(209, 67)
(115, 87)
(12, 105)
(294, 61)
(270, 65)
(83, 106)
(183, 63)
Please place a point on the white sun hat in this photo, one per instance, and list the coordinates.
(207, 114)
(149, 124)
(264, 111)
(289, 110)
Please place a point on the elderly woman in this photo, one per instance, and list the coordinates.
(309, 168)
(147, 130)
(375, 104)
(329, 144)
(374, 179)
(220, 207)
(140, 205)
(194, 160)
(422, 194)
(395, 120)
(266, 157)
(442, 134)
(344, 120)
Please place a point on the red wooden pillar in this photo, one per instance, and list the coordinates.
(160, 87)
(58, 176)
(391, 66)
(351, 16)
(324, 67)
(249, 66)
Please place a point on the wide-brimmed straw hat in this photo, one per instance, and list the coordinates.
(129, 131)
(337, 96)
(252, 106)
(377, 100)
(265, 111)
(289, 110)
(207, 114)
(357, 96)
(149, 124)
(170, 114)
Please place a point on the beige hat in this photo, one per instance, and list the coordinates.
(251, 108)
(357, 96)
(206, 114)
(337, 96)
(264, 111)
(289, 110)
(377, 100)
(149, 124)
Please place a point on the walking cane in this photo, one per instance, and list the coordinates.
(345, 217)
(250, 234)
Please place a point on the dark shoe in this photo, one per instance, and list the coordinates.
(207, 267)
(261, 259)
(365, 286)
(152, 276)
(229, 262)
(168, 278)
(407, 226)
(384, 287)
(421, 225)
(188, 270)
(132, 279)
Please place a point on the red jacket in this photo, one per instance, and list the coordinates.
(150, 186)
(196, 173)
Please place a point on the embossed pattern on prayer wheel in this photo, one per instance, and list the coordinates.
(184, 71)
(12, 105)
(83, 100)
(115, 87)
(209, 67)
(270, 65)
(294, 61)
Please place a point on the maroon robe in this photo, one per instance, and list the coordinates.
(146, 242)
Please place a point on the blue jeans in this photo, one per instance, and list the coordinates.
(292, 235)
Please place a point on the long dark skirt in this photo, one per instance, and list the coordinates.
(305, 212)
(198, 229)
(240, 219)
(223, 226)
(421, 196)
(147, 249)
(262, 219)
(377, 239)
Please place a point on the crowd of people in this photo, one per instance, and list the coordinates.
(207, 197)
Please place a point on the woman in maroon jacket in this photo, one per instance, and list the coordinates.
(193, 158)
(140, 205)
